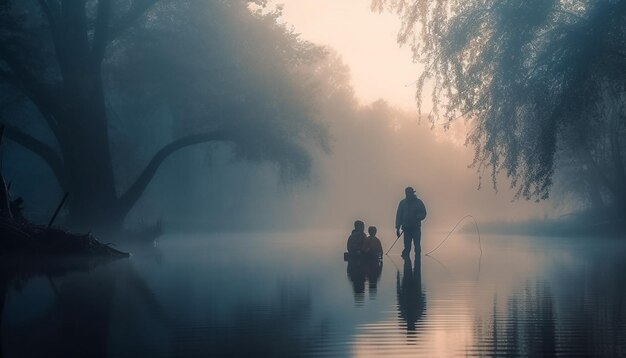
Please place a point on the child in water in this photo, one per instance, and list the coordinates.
(372, 246)
(357, 238)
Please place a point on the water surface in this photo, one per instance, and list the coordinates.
(291, 294)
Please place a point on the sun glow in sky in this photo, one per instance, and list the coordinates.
(366, 41)
(382, 69)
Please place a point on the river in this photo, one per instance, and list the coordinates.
(291, 294)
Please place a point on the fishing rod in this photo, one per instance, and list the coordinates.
(401, 233)
(454, 228)
(448, 236)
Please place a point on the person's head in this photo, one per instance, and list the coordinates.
(359, 225)
(409, 191)
(372, 230)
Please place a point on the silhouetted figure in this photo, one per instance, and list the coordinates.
(356, 239)
(411, 299)
(372, 247)
(411, 212)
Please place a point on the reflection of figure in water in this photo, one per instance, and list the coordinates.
(360, 270)
(372, 246)
(411, 298)
(357, 238)
(411, 212)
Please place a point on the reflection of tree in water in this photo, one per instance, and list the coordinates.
(76, 325)
(584, 318)
(113, 311)
(527, 328)
(411, 297)
(360, 271)
(281, 329)
(594, 309)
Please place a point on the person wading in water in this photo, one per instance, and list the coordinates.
(357, 239)
(411, 212)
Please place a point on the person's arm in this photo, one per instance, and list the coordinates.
(399, 215)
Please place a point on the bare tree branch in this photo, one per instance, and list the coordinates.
(128, 199)
(39, 148)
(42, 105)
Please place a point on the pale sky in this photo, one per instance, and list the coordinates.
(366, 41)
(380, 68)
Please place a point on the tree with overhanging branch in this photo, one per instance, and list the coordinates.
(66, 59)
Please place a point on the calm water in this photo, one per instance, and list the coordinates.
(291, 294)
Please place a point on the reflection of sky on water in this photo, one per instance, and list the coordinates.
(286, 294)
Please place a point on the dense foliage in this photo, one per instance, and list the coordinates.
(539, 81)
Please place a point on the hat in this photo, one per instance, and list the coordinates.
(409, 190)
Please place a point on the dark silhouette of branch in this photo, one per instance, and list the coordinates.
(21, 78)
(42, 105)
(101, 34)
(128, 199)
(39, 148)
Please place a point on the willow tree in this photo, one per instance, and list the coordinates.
(532, 77)
(74, 61)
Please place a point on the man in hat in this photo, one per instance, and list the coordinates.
(411, 212)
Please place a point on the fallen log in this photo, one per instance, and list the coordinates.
(26, 238)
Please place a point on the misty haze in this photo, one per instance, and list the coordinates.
(266, 178)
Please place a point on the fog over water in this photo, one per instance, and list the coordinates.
(375, 154)
(377, 147)
(376, 151)
(215, 156)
